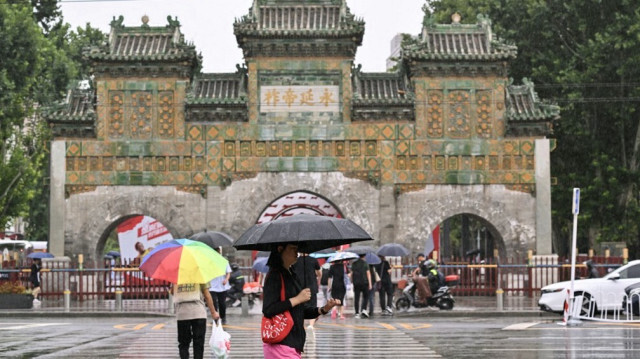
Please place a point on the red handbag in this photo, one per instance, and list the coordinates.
(275, 329)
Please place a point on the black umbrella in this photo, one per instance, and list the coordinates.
(310, 232)
(393, 250)
(369, 252)
(213, 239)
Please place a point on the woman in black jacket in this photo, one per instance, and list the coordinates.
(280, 262)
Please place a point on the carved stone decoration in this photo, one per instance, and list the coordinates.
(197, 189)
(458, 121)
(166, 115)
(140, 115)
(70, 190)
(116, 114)
(483, 109)
(434, 114)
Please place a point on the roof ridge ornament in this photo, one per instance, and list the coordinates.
(455, 18)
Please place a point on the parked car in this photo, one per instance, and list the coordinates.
(633, 294)
(598, 293)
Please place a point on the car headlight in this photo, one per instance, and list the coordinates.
(547, 291)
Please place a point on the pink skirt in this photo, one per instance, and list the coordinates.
(280, 351)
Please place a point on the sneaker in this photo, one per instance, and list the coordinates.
(311, 334)
(236, 303)
(365, 314)
(357, 316)
(224, 321)
(36, 301)
(389, 309)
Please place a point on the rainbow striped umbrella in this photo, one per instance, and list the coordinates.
(184, 261)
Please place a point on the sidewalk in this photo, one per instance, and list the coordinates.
(465, 306)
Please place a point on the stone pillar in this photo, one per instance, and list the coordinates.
(543, 197)
(387, 231)
(56, 198)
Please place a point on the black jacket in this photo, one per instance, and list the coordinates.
(272, 305)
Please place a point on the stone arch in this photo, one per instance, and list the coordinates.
(509, 236)
(104, 218)
(330, 186)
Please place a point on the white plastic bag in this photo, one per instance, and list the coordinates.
(220, 341)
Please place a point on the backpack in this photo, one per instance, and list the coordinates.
(324, 280)
(359, 269)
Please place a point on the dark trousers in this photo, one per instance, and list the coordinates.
(191, 329)
(357, 290)
(386, 295)
(220, 303)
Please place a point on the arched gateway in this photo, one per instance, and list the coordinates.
(397, 152)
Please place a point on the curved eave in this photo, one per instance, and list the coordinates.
(145, 58)
(203, 101)
(411, 56)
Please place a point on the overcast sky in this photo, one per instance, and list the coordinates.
(209, 24)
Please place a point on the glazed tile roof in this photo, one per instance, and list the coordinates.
(77, 107)
(144, 43)
(523, 104)
(295, 19)
(380, 88)
(218, 88)
(472, 42)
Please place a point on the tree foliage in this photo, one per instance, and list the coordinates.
(585, 54)
(39, 56)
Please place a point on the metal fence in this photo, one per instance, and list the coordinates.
(101, 280)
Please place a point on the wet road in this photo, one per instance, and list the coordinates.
(379, 337)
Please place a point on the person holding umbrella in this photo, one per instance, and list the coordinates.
(336, 285)
(189, 266)
(282, 257)
(35, 279)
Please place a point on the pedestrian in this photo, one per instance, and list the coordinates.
(308, 272)
(375, 280)
(324, 282)
(190, 300)
(592, 271)
(218, 288)
(361, 279)
(386, 286)
(337, 286)
(35, 279)
(280, 261)
(421, 282)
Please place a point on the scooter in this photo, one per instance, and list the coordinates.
(441, 299)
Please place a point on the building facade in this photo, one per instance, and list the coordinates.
(299, 127)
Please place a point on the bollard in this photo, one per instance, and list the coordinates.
(67, 300)
(245, 306)
(118, 300)
(499, 296)
(171, 307)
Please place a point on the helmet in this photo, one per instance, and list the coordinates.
(234, 267)
(431, 264)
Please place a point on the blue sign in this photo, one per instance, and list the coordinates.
(576, 201)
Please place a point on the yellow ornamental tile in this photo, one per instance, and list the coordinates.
(356, 164)
(402, 148)
(420, 177)
(508, 177)
(230, 132)
(213, 149)
(527, 147)
(387, 164)
(403, 176)
(212, 133)
(387, 176)
(74, 149)
(213, 177)
(229, 164)
(527, 177)
(406, 132)
(244, 164)
(181, 177)
(386, 150)
(372, 164)
(388, 132)
(508, 147)
(195, 132)
(213, 164)
(198, 178)
(371, 132)
(73, 177)
(198, 148)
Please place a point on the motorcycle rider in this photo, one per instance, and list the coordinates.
(420, 275)
(435, 277)
(236, 280)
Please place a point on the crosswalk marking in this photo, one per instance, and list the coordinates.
(328, 339)
(18, 326)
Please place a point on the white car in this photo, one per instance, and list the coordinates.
(605, 293)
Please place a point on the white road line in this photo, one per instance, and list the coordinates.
(520, 326)
(28, 326)
(560, 349)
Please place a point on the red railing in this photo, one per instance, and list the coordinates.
(516, 277)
